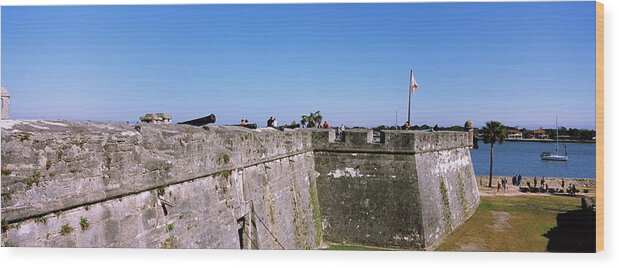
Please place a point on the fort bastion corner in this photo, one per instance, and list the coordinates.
(90, 184)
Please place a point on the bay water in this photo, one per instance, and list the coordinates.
(512, 158)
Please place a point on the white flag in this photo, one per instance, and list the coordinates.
(414, 85)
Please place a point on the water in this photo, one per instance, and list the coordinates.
(511, 158)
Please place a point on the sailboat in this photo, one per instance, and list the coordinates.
(556, 156)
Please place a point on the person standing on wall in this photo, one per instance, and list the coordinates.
(340, 131)
(270, 122)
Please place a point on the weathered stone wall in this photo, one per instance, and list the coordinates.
(85, 184)
(110, 185)
(370, 199)
(407, 190)
(448, 194)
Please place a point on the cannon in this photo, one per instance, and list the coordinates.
(209, 119)
(289, 126)
(292, 126)
(250, 126)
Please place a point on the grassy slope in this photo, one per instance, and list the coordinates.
(510, 223)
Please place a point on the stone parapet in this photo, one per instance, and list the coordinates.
(393, 141)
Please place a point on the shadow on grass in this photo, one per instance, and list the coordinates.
(575, 232)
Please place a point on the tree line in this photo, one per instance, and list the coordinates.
(564, 133)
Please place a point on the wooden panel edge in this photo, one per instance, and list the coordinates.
(599, 126)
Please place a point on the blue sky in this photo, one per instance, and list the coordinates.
(518, 63)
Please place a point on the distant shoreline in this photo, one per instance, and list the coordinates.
(550, 141)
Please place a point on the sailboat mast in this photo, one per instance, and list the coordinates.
(557, 136)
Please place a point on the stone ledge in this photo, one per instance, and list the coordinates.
(397, 141)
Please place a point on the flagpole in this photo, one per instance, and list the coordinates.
(409, 98)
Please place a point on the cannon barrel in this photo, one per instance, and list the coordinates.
(209, 119)
(290, 126)
(250, 126)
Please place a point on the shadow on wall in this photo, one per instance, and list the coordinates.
(575, 232)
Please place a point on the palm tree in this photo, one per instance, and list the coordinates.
(493, 132)
(318, 118)
(305, 120)
(312, 120)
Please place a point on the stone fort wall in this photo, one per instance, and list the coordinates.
(84, 184)
(407, 190)
(70, 184)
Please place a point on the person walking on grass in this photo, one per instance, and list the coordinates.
(498, 187)
(574, 189)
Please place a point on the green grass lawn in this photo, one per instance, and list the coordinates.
(510, 223)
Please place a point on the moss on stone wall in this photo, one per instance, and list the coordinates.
(316, 217)
(445, 201)
(300, 230)
(461, 197)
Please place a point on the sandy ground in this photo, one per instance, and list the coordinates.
(581, 184)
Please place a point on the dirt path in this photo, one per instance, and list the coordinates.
(499, 224)
(500, 221)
